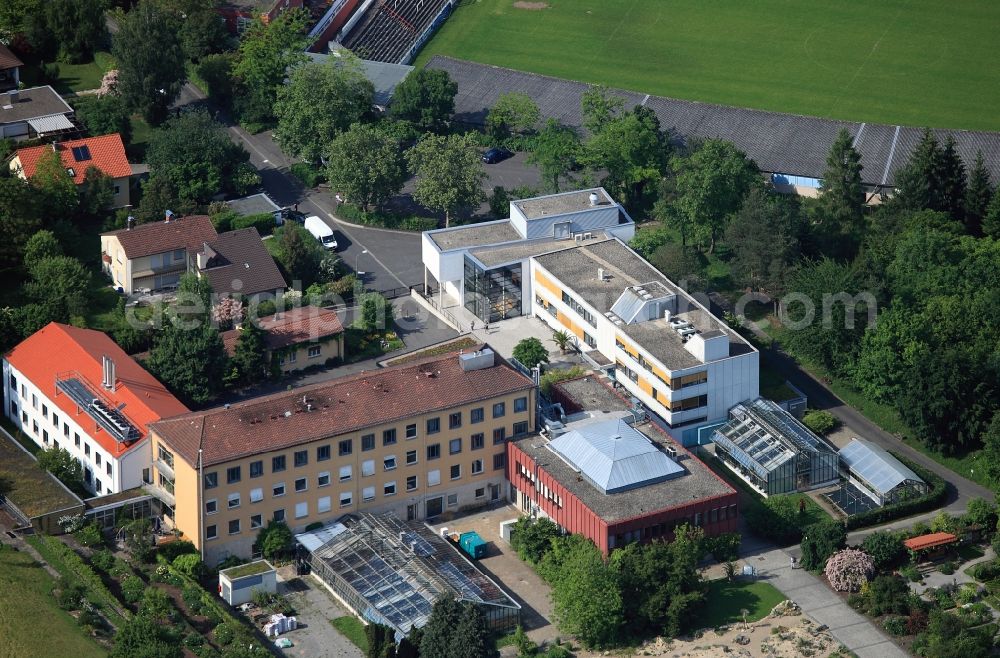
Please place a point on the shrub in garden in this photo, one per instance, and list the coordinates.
(193, 640)
(172, 550)
(190, 564)
(724, 547)
(70, 594)
(103, 560)
(820, 541)
(90, 618)
(885, 595)
(947, 567)
(132, 589)
(849, 569)
(885, 547)
(89, 535)
(820, 422)
(911, 573)
(191, 595)
(157, 604)
(895, 625)
(225, 633)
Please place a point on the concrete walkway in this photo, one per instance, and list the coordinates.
(824, 606)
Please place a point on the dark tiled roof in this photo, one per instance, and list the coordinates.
(8, 60)
(298, 325)
(777, 142)
(241, 264)
(157, 237)
(32, 104)
(338, 407)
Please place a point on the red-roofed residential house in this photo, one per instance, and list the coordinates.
(297, 338)
(76, 389)
(106, 152)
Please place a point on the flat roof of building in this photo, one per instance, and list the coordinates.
(336, 407)
(254, 204)
(474, 235)
(498, 255)
(577, 267)
(34, 491)
(32, 103)
(594, 397)
(562, 203)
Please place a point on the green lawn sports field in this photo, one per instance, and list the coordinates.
(910, 62)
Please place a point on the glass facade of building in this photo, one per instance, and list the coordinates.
(493, 295)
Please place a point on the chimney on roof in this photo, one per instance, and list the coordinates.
(129, 221)
(108, 373)
(13, 96)
(167, 214)
(593, 198)
(54, 147)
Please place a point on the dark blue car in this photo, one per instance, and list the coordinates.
(495, 155)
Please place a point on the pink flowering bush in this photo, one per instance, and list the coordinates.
(227, 311)
(849, 569)
(108, 84)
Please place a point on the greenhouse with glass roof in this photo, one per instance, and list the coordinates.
(878, 474)
(772, 451)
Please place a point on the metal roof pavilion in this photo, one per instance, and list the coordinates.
(614, 456)
(876, 466)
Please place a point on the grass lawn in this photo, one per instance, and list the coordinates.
(773, 386)
(725, 600)
(25, 600)
(72, 77)
(103, 302)
(352, 628)
(141, 132)
(842, 59)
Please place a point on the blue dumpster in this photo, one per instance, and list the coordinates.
(472, 544)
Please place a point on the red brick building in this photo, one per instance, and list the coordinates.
(613, 479)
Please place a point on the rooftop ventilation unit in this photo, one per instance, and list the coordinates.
(594, 198)
(588, 236)
(578, 237)
(672, 451)
(108, 373)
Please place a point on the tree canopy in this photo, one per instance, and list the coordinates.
(531, 352)
(150, 61)
(513, 112)
(457, 630)
(449, 172)
(365, 165)
(557, 152)
(426, 98)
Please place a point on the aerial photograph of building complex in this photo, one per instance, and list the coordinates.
(499, 328)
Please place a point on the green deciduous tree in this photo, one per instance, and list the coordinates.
(95, 194)
(678, 263)
(142, 637)
(820, 541)
(557, 152)
(885, 547)
(599, 107)
(250, 355)
(365, 165)
(381, 641)
(266, 52)
(190, 361)
(649, 238)
(586, 598)
(449, 172)
(978, 194)
(711, 185)
(56, 189)
(513, 112)
(61, 287)
(275, 539)
(991, 451)
(300, 254)
(203, 32)
(60, 463)
(73, 29)
(40, 246)
(531, 352)
(105, 115)
(150, 61)
(426, 98)
(532, 538)
(457, 630)
(320, 101)
(195, 154)
(20, 218)
(632, 149)
(764, 237)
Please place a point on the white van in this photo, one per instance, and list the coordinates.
(321, 231)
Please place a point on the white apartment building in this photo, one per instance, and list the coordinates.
(72, 388)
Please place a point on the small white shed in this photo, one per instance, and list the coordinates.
(237, 584)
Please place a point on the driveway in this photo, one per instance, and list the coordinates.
(314, 607)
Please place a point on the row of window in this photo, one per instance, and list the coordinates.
(234, 474)
(234, 500)
(677, 384)
(51, 442)
(714, 515)
(543, 489)
(291, 357)
(578, 308)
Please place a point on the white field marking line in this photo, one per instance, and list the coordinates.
(865, 62)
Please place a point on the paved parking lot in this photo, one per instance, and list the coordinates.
(503, 565)
(314, 608)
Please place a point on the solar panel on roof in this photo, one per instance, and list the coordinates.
(81, 153)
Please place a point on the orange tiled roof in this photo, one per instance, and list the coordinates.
(107, 153)
(297, 325)
(60, 348)
(930, 541)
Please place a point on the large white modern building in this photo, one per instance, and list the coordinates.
(72, 388)
(564, 259)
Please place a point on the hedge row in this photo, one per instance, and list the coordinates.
(934, 498)
(351, 213)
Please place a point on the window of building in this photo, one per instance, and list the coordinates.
(454, 446)
(389, 436)
(476, 415)
(55, 444)
(323, 479)
(345, 499)
(477, 466)
(234, 527)
(107, 468)
(455, 420)
(278, 489)
(234, 500)
(452, 500)
(433, 451)
(34, 401)
(411, 482)
(368, 493)
(389, 488)
(256, 495)
(411, 431)
(76, 441)
(480, 493)
(34, 426)
(45, 411)
(367, 442)
(456, 471)
(323, 505)
(55, 420)
(499, 461)
(477, 441)
(345, 473)
(233, 474)
(433, 425)
(256, 469)
(314, 351)
(211, 506)
(411, 457)
(499, 410)
(211, 532)
(301, 458)
(689, 403)
(322, 453)
(433, 478)
(578, 309)
(13, 381)
(278, 464)
(367, 467)
(86, 449)
(256, 521)
(345, 447)
(211, 480)
(97, 455)
(301, 484)
(499, 435)
(301, 510)
(65, 425)
(589, 340)
(520, 404)
(389, 462)
(88, 475)
(279, 515)
(521, 429)
(293, 356)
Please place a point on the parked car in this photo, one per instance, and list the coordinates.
(294, 215)
(496, 154)
(321, 231)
